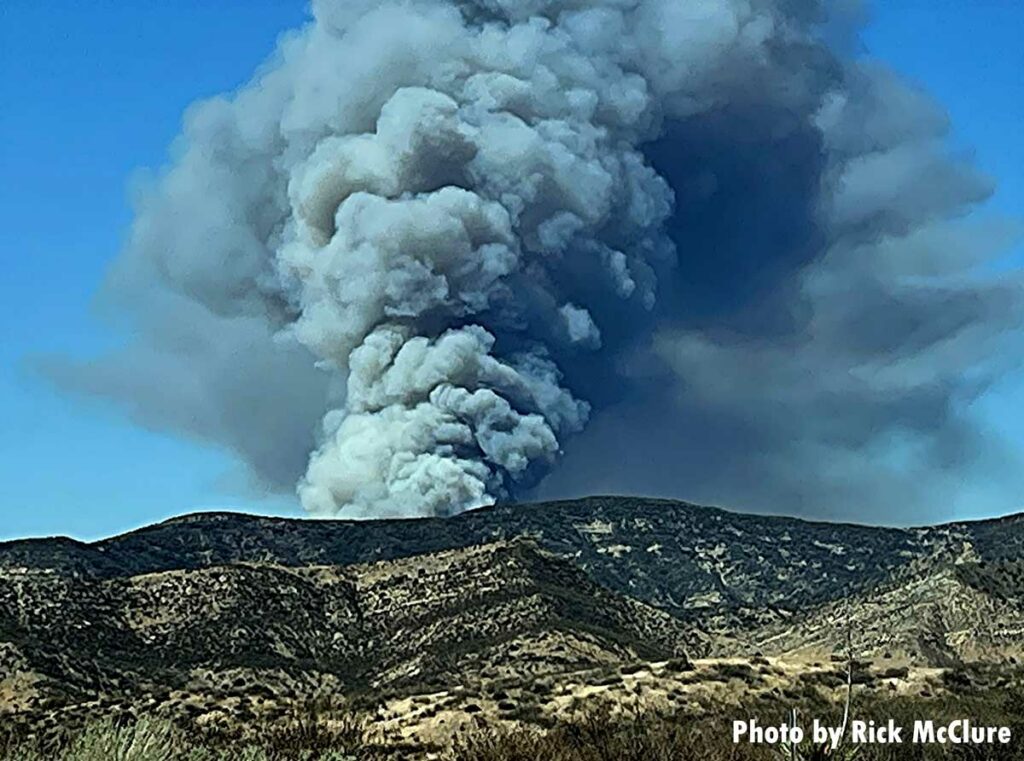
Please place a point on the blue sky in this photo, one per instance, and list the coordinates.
(91, 92)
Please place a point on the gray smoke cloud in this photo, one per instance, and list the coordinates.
(407, 263)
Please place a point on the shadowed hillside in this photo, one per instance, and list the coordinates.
(682, 558)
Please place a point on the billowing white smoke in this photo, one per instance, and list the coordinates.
(501, 157)
(449, 212)
(428, 188)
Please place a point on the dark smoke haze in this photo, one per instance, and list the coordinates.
(437, 254)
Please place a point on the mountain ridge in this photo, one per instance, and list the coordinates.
(201, 515)
(226, 616)
(728, 573)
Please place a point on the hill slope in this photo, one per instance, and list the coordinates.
(244, 631)
(231, 615)
(728, 569)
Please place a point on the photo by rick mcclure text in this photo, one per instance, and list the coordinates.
(859, 732)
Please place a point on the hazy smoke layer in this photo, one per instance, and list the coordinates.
(407, 262)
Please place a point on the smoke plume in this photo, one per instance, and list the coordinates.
(407, 263)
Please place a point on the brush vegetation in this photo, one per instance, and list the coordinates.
(594, 735)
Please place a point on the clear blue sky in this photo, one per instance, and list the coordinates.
(90, 92)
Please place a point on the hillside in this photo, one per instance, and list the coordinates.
(249, 633)
(725, 568)
(224, 617)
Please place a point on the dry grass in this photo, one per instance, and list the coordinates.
(304, 738)
(599, 737)
(589, 736)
